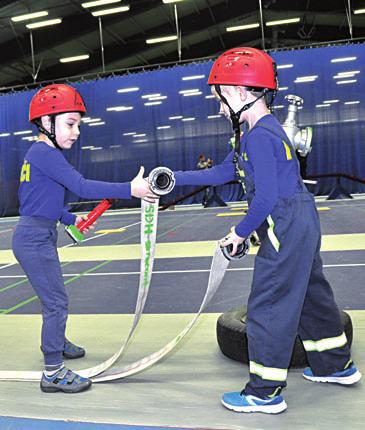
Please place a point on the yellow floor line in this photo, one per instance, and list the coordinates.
(232, 214)
(110, 231)
(339, 242)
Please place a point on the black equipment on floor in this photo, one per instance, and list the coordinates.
(232, 338)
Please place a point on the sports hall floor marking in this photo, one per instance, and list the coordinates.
(111, 230)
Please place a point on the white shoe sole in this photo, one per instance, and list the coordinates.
(344, 380)
(266, 409)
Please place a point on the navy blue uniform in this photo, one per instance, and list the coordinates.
(44, 178)
(289, 293)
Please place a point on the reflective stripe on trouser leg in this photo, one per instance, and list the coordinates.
(271, 234)
(325, 344)
(268, 373)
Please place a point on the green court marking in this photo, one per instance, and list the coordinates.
(35, 297)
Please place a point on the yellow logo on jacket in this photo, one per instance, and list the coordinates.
(25, 172)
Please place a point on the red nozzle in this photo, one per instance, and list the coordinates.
(94, 214)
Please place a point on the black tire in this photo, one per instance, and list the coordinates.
(232, 339)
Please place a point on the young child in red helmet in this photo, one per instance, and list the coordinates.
(289, 293)
(56, 110)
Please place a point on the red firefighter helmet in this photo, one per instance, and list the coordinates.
(249, 67)
(54, 99)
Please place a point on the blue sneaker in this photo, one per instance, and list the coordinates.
(71, 351)
(66, 381)
(344, 377)
(240, 402)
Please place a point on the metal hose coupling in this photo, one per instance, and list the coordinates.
(242, 250)
(301, 139)
(161, 180)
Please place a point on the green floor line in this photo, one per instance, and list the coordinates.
(35, 297)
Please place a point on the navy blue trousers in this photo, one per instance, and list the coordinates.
(290, 295)
(35, 248)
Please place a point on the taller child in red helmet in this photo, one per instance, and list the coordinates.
(289, 293)
(45, 176)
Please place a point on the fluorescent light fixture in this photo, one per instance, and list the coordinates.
(96, 148)
(175, 117)
(358, 11)
(163, 127)
(4, 134)
(195, 90)
(285, 66)
(349, 81)
(88, 147)
(96, 123)
(127, 90)
(98, 3)
(171, 1)
(161, 39)
(243, 27)
(351, 120)
(140, 141)
(191, 78)
(119, 108)
(349, 72)
(140, 135)
(192, 94)
(157, 98)
(330, 101)
(29, 16)
(323, 105)
(283, 21)
(213, 116)
(147, 96)
(355, 102)
(130, 133)
(283, 88)
(30, 138)
(278, 107)
(75, 58)
(188, 119)
(44, 23)
(210, 96)
(152, 103)
(300, 79)
(341, 59)
(87, 120)
(115, 146)
(110, 11)
(16, 133)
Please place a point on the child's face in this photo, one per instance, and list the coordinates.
(235, 96)
(67, 129)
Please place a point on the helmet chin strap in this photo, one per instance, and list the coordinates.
(235, 118)
(52, 134)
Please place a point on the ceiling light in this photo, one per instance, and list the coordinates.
(98, 3)
(330, 101)
(285, 66)
(140, 141)
(29, 16)
(115, 146)
(16, 133)
(88, 147)
(283, 88)
(341, 59)
(350, 81)
(97, 123)
(213, 116)
(127, 90)
(44, 23)
(130, 133)
(210, 96)
(75, 58)
(283, 21)
(87, 120)
(157, 98)
(4, 134)
(175, 117)
(188, 119)
(192, 94)
(278, 107)
(163, 127)
(161, 39)
(355, 102)
(110, 11)
(196, 90)
(358, 11)
(147, 96)
(119, 108)
(323, 105)
(152, 103)
(171, 1)
(243, 27)
(96, 148)
(190, 78)
(301, 79)
(140, 135)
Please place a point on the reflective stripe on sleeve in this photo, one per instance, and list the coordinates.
(325, 344)
(268, 373)
(270, 232)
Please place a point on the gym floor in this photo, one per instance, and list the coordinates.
(183, 390)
